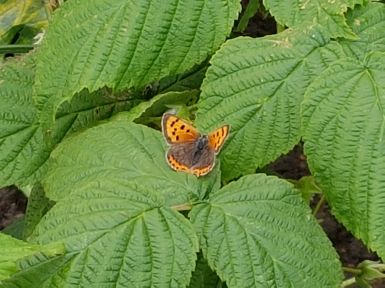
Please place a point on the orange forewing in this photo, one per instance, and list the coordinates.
(176, 130)
(217, 138)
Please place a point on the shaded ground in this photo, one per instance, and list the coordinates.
(12, 205)
(351, 250)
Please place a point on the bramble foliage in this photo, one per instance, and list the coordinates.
(77, 119)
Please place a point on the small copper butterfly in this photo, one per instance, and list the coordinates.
(190, 151)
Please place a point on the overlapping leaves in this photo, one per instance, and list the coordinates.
(114, 211)
(329, 14)
(125, 44)
(256, 86)
(16, 250)
(344, 121)
(117, 213)
(23, 150)
(368, 22)
(257, 232)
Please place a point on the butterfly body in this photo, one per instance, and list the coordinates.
(190, 151)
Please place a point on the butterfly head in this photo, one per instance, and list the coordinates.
(202, 142)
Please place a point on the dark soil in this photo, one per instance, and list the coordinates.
(12, 205)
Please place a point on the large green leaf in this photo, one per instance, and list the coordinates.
(123, 44)
(257, 232)
(119, 152)
(299, 14)
(19, 137)
(344, 122)
(23, 151)
(368, 22)
(117, 212)
(256, 86)
(14, 250)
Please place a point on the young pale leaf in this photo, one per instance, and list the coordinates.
(368, 22)
(16, 14)
(299, 14)
(344, 122)
(14, 250)
(256, 86)
(23, 151)
(257, 232)
(158, 104)
(121, 44)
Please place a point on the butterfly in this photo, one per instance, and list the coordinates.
(189, 151)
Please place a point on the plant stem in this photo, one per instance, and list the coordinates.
(351, 270)
(250, 11)
(182, 207)
(348, 282)
(280, 28)
(15, 48)
(319, 205)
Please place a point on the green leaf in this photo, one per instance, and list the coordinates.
(116, 212)
(23, 151)
(371, 270)
(307, 186)
(256, 86)
(329, 14)
(119, 152)
(258, 232)
(344, 122)
(38, 205)
(123, 237)
(17, 249)
(124, 44)
(368, 22)
(15, 229)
